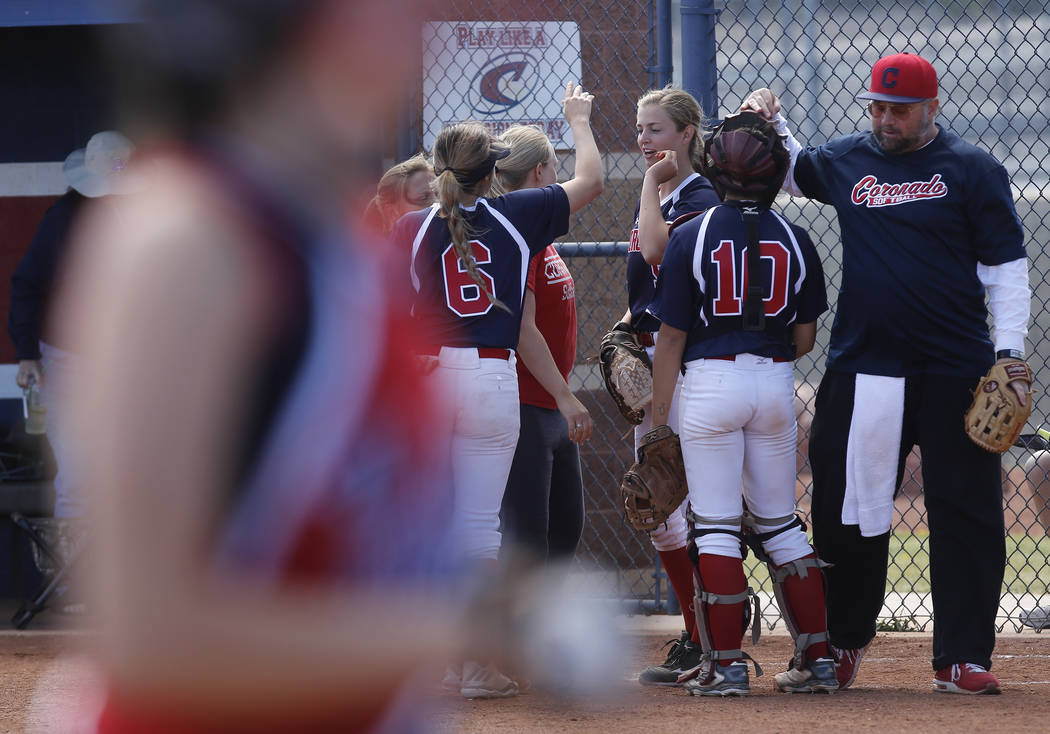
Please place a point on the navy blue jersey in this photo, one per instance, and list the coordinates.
(694, 194)
(703, 278)
(914, 227)
(508, 230)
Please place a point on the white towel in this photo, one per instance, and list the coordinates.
(873, 453)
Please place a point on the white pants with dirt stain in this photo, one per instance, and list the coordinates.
(481, 422)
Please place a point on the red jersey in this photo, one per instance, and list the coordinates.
(549, 279)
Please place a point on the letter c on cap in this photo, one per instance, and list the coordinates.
(886, 81)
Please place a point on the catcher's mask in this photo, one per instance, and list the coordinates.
(745, 156)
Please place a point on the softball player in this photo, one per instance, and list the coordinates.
(266, 472)
(734, 329)
(470, 259)
(542, 510)
(929, 229)
(405, 187)
(668, 125)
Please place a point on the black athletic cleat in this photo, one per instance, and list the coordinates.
(683, 655)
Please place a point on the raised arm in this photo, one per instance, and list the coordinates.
(652, 228)
(767, 104)
(588, 180)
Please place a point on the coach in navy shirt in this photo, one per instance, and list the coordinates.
(928, 228)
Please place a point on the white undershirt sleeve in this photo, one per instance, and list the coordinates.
(1009, 301)
(794, 148)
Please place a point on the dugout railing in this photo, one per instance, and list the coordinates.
(816, 54)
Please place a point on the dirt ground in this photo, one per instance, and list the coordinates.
(41, 674)
(893, 692)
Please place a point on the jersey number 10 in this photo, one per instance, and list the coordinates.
(729, 292)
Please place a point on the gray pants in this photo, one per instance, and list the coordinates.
(59, 367)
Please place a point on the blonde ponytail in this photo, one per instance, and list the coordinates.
(459, 150)
(528, 148)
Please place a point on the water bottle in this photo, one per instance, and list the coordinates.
(36, 411)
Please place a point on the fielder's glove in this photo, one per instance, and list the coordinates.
(627, 372)
(997, 416)
(654, 487)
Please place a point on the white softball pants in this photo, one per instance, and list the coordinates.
(673, 534)
(738, 430)
(481, 423)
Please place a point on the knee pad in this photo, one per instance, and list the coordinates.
(719, 537)
(783, 539)
(718, 542)
(673, 534)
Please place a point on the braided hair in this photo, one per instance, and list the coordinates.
(465, 155)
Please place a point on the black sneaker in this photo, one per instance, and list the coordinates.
(682, 651)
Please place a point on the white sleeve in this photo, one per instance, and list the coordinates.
(794, 148)
(1009, 301)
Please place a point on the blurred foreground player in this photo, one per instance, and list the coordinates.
(261, 445)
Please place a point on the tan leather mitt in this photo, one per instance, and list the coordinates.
(996, 417)
(627, 372)
(654, 487)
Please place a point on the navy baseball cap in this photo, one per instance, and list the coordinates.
(902, 78)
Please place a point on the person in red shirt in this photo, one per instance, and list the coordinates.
(542, 511)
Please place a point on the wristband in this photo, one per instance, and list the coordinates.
(1009, 354)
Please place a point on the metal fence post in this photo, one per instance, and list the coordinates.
(664, 67)
(409, 141)
(699, 68)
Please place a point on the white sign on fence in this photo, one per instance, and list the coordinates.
(500, 74)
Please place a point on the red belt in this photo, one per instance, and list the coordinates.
(483, 352)
(645, 338)
(732, 358)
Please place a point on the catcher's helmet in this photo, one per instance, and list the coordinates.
(745, 156)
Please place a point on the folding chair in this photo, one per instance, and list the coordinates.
(57, 548)
(27, 496)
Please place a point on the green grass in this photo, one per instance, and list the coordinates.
(1027, 565)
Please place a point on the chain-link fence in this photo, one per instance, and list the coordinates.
(816, 55)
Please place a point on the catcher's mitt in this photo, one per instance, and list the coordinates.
(654, 487)
(996, 417)
(627, 371)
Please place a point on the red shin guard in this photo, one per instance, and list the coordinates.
(724, 575)
(806, 597)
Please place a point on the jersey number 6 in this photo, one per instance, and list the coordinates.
(462, 294)
(729, 299)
